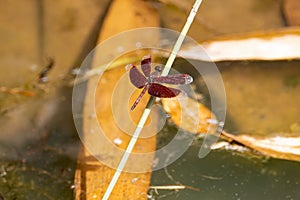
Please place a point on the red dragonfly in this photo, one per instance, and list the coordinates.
(151, 81)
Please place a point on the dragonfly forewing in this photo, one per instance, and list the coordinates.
(146, 65)
(177, 79)
(137, 78)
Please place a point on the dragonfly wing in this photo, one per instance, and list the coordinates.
(177, 79)
(146, 65)
(137, 78)
(161, 91)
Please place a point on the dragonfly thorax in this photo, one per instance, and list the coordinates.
(156, 73)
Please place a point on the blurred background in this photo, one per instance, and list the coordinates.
(43, 42)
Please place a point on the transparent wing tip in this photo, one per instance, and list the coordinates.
(188, 79)
(146, 57)
(181, 95)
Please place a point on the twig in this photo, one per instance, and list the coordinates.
(173, 187)
(44, 73)
(100, 69)
(14, 91)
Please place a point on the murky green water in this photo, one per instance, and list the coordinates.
(228, 175)
(262, 98)
(38, 148)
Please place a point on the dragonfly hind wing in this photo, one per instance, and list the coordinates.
(161, 91)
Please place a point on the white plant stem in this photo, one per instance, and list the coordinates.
(147, 110)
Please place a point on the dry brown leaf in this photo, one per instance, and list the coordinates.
(280, 44)
(291, 10)
(92, 177)
(128, 14)
(190, 115)
(280, 146)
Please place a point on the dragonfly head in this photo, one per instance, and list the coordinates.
(158, 68)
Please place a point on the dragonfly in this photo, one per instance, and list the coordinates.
(152, 82)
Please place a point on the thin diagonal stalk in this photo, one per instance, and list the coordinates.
(147, 110)
(181, 37)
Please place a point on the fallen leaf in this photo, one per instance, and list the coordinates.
(194, 117)
(92, 176)
(279, 146)
(282, 44)
(291, 11)
(190, 115)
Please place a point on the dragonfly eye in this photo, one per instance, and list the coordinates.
(189, 79)
(158, 68)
